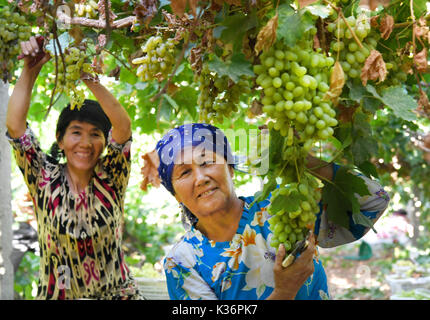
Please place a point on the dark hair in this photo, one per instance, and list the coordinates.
(90, 112)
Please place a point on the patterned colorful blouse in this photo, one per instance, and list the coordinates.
(242, 269)
(79, 235)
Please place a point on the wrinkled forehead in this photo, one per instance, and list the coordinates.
(197, 155)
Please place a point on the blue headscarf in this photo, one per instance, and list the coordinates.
(192, 134)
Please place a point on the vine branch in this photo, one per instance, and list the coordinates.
(93, 23)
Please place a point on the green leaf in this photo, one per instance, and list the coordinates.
(288, 203)
(340, 196)
(371, 104)
(361, 126)
(360, 218)
(400, 102)
(356, 91)
(363, 148)
(368, 169)
(290, 28)
(233, 27)
(126, 76)
(171, 102)
(65, 40)
(267, 188)
(318, 10)
(235, 68)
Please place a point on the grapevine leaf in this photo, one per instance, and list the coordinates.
(359, 218)
(233, 28)
(400, 102)
(340, 196)
(356, 91)
(128, 77)
(361, 127)
(171, 102)
(65, 39)
(267, 35)
(178, 6)
(420, 60)
(337, 205)
(235, 68)
(337, 81)
(369, 169)
(319, 10)
(371, 104)
(290, 28)
(288, 203)
(267, 188)
(363, 148)
(387, 24)
(351, 8)
(374, 68)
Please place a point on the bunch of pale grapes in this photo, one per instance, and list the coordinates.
(290, 225)
(68, 76)
(258, 152)
(351, 55)
(219, 97)
(294, 81)
(159, 59)
(13, 29)
(396, 76)
(86, 9)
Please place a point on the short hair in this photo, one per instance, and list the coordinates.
(90, 112)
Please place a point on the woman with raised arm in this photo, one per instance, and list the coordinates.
(226, 252)
(79, 203)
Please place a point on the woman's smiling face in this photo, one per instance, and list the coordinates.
(202, 181)
(82, 144)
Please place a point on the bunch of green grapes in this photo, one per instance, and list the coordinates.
(258, 152)
(86, 10)
(351, 55)
(396, 75)
(13, 29)
(69, 75)
(292, 222)
(294, 81)
(219, 96)
(159, 59)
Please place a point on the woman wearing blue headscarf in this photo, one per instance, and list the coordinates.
(225, 252)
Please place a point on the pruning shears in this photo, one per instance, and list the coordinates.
(299, 247)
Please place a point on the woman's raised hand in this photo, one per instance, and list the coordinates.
(289, 280)
(33, 53)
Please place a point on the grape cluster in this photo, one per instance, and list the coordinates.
(159, 59)
(86, 10)
(292, 224)
(396, 76)
(351, 55)
(13, 29)
(68, 76)
(219, 96)
(294, 81)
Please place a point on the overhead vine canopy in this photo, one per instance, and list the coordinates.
(316, 73)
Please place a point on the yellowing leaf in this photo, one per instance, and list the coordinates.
(267, 35)
(387, 24)
(420, 60)
(374, 68)
(337, 81)
(178, 7)
(149, 170)
(304, 3)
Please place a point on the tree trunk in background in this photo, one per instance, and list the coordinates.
(6, 267)
(415, 216)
